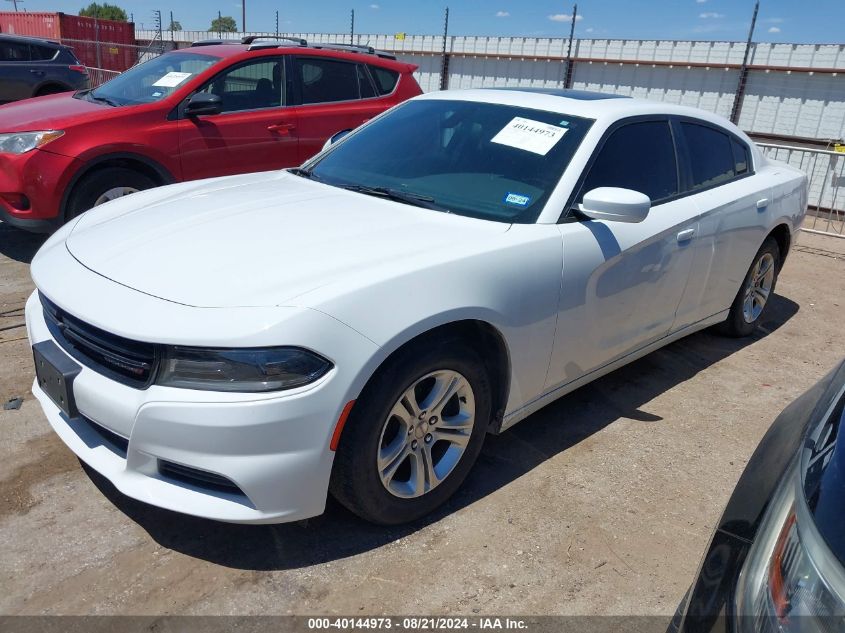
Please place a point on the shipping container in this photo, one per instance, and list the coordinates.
(106, 44)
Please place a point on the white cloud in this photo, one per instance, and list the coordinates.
(701, 1)
(564, 17)
(774, 29)
(590, 30)
(774, 20)
(710, 14)
(502, 14)
(375, 6)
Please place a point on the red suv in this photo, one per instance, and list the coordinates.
(213, 109)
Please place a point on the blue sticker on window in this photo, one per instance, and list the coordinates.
(517, 199)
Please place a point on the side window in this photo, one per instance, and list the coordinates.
(711, 155)
(742, 159)
(42, 53)
(365, 86)
(385, 79)
(14, 52)
(327, 80)
(638, 156)
(251, 86)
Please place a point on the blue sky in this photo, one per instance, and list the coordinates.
(817, 21)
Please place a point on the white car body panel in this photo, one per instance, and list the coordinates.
(274, 259)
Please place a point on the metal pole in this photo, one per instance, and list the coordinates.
(277, 24)
(219, 19)
(743, 71)
(243, 16)
(567, 78)
(444, 68)
(172, 39)
(352, 28)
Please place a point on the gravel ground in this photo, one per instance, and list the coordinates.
(601, 503)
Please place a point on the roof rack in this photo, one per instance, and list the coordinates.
(212, 42)
(249, 39)
(355, 48)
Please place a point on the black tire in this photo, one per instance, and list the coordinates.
(355, 480)
(92, 186)
(736, 325)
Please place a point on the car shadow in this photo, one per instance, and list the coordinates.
(18, 244)
(338, 533)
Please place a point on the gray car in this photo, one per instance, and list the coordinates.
(32, 67)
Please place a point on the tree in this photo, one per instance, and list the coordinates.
(225, 24)
(175, 26)
(104, 11)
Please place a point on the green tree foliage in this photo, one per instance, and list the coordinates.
(174, 26)
(104, 11)
(225, 24)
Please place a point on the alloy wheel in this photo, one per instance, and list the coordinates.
(759, 288)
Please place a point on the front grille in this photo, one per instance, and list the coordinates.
(196, 477)
(130, 362)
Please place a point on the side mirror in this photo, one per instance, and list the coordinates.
(204, 103)
(334, 138)
(615, 204)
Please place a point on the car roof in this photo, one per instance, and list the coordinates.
(30, 40)
(602, 107)
(235, 49)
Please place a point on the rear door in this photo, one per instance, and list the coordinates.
(623, 283)
(332, 95)
(17, 78)
(731, 199)
(256, 131)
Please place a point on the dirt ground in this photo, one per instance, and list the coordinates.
(600, 503)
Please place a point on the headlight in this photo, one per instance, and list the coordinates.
(246, 370)
(21, 142)
(791, 581)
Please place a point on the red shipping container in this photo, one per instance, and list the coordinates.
(97, 43)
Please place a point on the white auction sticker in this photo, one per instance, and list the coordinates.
(172, 79)
(532, 136)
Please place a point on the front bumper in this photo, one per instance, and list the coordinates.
(274, 448)
(41, 177)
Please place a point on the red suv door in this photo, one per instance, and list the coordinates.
(332, 95)
(255, 130)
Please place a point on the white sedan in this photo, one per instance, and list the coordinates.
(236, 348)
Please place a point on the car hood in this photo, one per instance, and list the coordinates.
(260, 239)
(47, 113)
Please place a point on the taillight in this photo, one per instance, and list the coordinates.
(78, 68)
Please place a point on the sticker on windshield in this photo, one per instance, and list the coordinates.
(518, 199)
(172, 79)
(532, 136)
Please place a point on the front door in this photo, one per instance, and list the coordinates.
(622, 283)
(254, 132)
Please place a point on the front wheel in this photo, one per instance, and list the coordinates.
(755, 295)
(414, 434)
(103, 186)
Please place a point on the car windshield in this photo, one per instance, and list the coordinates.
(151, 81)
(484, 160)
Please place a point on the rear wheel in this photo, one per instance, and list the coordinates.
(414, 434)
(104, 185)
(754, 296)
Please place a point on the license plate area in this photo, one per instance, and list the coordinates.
(55, 372)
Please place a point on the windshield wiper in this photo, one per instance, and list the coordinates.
(414, 199)
(105, 100)
(305, 173)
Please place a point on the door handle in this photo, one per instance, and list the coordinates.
(281, 128)
(762, 203)
(686, 235)
(40, 73)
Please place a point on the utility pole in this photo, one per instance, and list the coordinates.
(567, 78)
(172, 39)
(444, 67)
(743, 70)
(352, 28)
(219, 20)
(15, 3)
(243, 16)
(277, 24)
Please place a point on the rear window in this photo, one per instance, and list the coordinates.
(385, 79)
(14, 52)
(742, 162)
(711, 155)
(42, 53)
(327, 80)
(365, 85)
